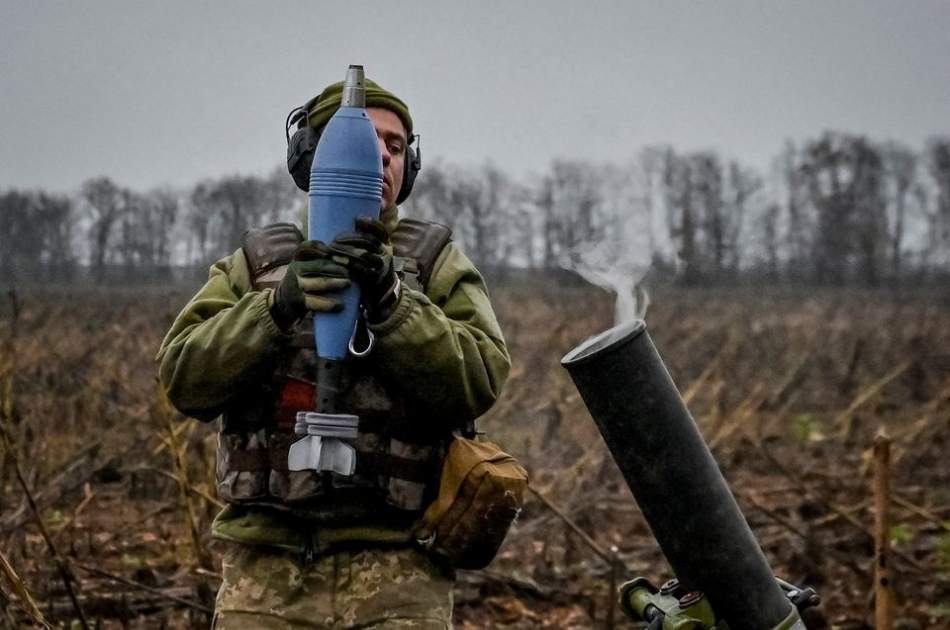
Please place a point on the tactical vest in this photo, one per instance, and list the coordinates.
(399, 445)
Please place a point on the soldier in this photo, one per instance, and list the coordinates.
(314, 549)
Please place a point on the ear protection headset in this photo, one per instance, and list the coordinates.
(303, 144)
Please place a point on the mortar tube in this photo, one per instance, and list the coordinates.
(674, 478)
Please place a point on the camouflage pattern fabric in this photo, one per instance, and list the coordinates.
(372, 589)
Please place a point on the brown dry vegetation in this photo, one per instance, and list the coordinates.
(788, 387)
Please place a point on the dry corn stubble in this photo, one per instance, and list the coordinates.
(762, 369)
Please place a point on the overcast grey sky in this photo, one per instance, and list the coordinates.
(171, 92)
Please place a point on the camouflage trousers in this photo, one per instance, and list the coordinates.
(371, 589)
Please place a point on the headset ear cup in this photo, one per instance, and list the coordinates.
(300, 153)
(410, 170)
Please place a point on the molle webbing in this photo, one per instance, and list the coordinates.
(367, 463)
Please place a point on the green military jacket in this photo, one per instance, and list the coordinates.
(443, 346)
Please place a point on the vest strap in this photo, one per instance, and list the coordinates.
(421, 241)
(269, 248)
(374, 463)
(367, 463)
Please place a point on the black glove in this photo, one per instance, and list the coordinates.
(312, 281)
(369, 260)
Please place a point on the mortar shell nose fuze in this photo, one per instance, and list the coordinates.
(354, 88)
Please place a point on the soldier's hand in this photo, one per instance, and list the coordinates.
(368, 257)
(312, 282)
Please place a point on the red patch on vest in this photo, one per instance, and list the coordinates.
(295, 396)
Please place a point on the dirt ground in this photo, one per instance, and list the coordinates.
(789, 388)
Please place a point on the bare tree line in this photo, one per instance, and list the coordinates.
(840, 209)
(110, 232)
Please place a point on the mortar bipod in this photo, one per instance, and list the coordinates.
(673, 607)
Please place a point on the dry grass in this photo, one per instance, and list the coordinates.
(788, 386)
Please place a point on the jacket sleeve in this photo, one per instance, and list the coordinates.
(445, 347)
(221, 341)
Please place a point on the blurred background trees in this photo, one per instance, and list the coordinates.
(840, 209)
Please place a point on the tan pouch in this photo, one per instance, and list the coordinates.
(481, 492)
